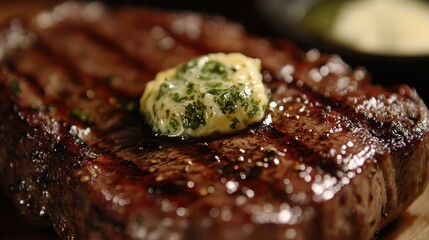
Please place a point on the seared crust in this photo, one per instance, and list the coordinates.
(335, 158)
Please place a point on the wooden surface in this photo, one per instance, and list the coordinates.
(413, 224)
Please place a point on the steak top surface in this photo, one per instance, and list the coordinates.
(335, 157)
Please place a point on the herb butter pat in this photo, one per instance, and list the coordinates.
(211, 94)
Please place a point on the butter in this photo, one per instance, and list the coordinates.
(212, 94)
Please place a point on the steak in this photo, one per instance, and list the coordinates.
(335, 157)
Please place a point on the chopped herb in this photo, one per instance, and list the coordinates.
(215, 70)
(163, 89)
(215, 91)
(79, 114)
(109, 79)
(228, 99)
(16, 88)
(214, 67)
(185, 68)
(234, 123)
(190, 88)
(177, 98)
(50, 108)
(174, 124)
(214, 84)
(154, 108)
(194, 115)
(254, 108)
(210, 70)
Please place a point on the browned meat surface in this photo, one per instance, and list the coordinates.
(335, 158)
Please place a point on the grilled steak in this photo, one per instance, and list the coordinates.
(335, 157)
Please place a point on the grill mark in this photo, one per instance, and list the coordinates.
(101, 90)
(147, 154)
(342, 105)
(16, 86)
(47, 62)
(300, 152)
(99, 67)
(47, 52)
(209, 28)
(32, 84)
(38, 89)
(303, 154)
(63, 107)
(94, 34)
(170, 176)
(155, 32)
(157, 58)
(250, 155)
(58, 101)
(163, 28)
(373, 125)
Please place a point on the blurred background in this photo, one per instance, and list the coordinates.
(310, 24)
(390, 38)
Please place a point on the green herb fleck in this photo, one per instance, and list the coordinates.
(177, 98)
(214, 67)
(79, 114)
(190, 88)
(215, 91)
(208, 71)
(174, 124)
(234, 123)
(194, 115)
(214, 84)
(254, 108)
(215, 70)
(16, 88)
(109, 79)
(228, 99)
(163, 89)
(185, 68)
(50, 108)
